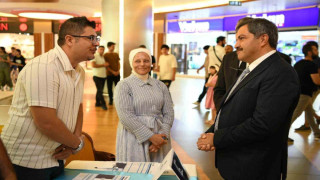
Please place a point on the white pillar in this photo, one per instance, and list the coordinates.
(128, 23)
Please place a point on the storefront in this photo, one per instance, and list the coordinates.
(187, 37)
(296, 27)
(18, 33)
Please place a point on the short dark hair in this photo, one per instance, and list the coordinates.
(101, 46)
(313, 43)
(13, 48)
(306, 48)
(142, 46)
(19, 51)
(220, 38)
(212, 67)
(3, 49)
(260, 26)
(109, 44)
(74, 26)
(206, 47)
(165, 46)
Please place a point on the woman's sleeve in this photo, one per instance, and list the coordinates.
(125, 110)
(167, 111)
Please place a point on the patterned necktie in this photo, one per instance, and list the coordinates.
(241, 77)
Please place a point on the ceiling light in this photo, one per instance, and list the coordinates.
(41, 15)
(97, 14)
(7, 15)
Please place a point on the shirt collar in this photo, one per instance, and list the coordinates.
(255, 63)
(62, 56)
(140, 82)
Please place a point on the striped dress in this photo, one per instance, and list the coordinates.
(144, 109)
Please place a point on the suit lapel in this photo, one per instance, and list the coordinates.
(260, 68)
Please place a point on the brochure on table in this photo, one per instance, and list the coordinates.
(131, 170)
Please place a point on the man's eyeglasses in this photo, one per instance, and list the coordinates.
(93, 39)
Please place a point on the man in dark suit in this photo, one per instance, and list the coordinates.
(251, 129)
(230, 69)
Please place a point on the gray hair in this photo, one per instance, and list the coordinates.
(260, 26)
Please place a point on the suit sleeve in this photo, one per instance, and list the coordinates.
(276, 97)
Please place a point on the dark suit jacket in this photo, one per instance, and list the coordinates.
(227, 75)
(251, 140)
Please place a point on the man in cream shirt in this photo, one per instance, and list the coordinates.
(167, 66)
(217, 52)
(46, 115)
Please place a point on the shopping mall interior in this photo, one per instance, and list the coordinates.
(186, 26)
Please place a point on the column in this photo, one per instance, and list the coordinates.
(128, 23)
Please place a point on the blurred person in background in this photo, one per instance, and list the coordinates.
(167, 66)
(210, 94)
(206, 68)
(228, 49)
(99, 66)
(113, 70)
(5, 64)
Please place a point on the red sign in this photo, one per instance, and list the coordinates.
(15, 25)
(4, 27)
(23, 27)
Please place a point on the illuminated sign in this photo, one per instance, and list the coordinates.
(15, 25)
(235, 3)
(197, 26)
(282, 19)
(194, 26)
(278, 20)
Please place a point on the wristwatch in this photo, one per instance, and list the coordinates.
(76, 150)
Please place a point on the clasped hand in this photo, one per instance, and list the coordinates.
(205, 142)
(157, 141)
(62, 152)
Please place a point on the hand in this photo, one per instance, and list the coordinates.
(157, 140)
(62, 152)
(106, 64)
(153, 148)
(198, 71)
(205, 142)
(116, 73)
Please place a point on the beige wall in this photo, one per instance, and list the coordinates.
(42, 26)
(159, 23)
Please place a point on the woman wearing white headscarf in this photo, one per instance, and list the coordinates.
(145, 111)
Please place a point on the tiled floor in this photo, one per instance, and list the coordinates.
(304, 154)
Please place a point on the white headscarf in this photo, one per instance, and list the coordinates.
(132, 54)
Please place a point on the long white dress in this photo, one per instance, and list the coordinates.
(144, 109)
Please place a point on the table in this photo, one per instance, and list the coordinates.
(76, 167)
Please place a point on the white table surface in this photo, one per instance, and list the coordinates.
(90, 165)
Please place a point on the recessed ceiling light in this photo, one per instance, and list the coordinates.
(7, 15)
(42, 15)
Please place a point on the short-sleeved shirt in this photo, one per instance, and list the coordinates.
(167, 63)
(100, 72)
(113, 60)
(48, 80)
(305, 68)
(19, 60)
(317, 61)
